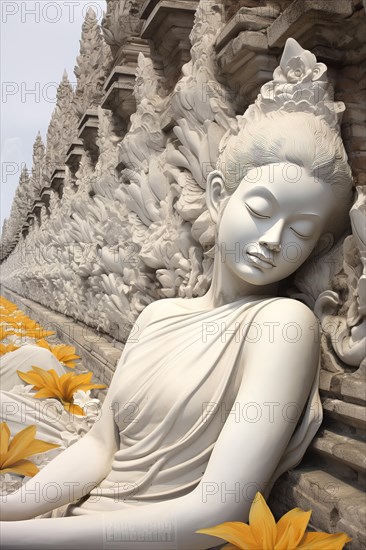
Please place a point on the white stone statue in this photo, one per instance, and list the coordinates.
(214, 397)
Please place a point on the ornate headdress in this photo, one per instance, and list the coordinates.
(300, 88)
(299, 84)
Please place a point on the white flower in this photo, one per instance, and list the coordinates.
(300, 68)
(9, 483)
(84, 400)
(22, 389)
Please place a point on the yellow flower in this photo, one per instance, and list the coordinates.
(5, 332)
(65, 354)
(15, 319)
(23, 444)
(31, 329)
(19, 323)
(6, 305)
(49, 384)
(5, 348)
(263, 533)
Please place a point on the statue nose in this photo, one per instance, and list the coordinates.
(272, 238)
(275, 247)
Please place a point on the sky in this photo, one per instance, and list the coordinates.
(39, 39)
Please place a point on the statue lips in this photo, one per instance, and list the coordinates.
(261, 260)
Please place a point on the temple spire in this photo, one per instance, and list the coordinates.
(92, 65)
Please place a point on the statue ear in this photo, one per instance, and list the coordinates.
(215, 192)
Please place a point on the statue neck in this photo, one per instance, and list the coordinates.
(226, 287)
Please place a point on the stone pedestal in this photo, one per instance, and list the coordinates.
(129, 51)
(246, 62)
(168, 25)
(25, 229)
(148, 7)
(45, 195)
(248, 47)
(88, 133)
(58, 180)
(308, 21)
(36, 210)
(243, 53)
(74, 155)
(118, 96)
(31, 220)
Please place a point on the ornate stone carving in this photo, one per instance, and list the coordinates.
(118, 96)
(38, 166)
(167, 26)
(121, 21)
(22, 204)
(93, 65)
(343, 310)
(62, 128)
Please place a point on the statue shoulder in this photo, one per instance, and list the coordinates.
(287, 309)
(288, 323)
(158, 310)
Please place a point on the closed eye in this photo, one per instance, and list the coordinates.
(300, 234)
(255, 213)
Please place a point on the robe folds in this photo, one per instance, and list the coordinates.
(173, 390)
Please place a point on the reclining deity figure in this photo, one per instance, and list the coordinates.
(223, 388)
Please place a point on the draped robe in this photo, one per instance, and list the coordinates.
(175, 388)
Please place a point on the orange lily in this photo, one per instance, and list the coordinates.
(65, 354)
(5, 332)
(6, 305)
(263, 533)
(50, 384)
(23, 444)
(14, 319)
(5, 348)
(32, 329)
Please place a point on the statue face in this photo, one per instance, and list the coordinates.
(272, 222)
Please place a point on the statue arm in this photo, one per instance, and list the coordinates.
(80, 467)
(279, 370)
(70, 475)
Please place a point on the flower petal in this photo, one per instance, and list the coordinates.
(289, 538)
(22, 467)
(30, 378)
(79, 380)
(235, 532)
(323, 541)
(42, 343)
(46, 375)
(19, 444)
(4, 439)
(74, 409)
(39, 446)
(45, 392)
(262, 522)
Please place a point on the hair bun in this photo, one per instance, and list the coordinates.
(299, 84)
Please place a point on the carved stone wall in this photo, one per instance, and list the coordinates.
(113, 214)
